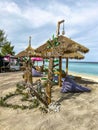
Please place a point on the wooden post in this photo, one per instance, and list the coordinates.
(43, 62)
(50, 78)
(66, 66)
(28, 73)
(48, 92)
(60, 71)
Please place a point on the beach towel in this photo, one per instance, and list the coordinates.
(70, 85)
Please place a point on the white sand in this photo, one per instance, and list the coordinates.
(86, 76)
(78, 111)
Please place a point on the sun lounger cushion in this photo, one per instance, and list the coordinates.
(70, 85)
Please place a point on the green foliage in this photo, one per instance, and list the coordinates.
(5, 45)
(19, 88)
(52, 43)
(7, 49)
(25, 97)
(35, 103)
(1, 101)
(2, 38)
(43, 109)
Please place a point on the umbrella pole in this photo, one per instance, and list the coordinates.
(43, 62)
(66, 66)
(50, 78)
(60, 71)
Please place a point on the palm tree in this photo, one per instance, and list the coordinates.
(2, 38)
(7, 49)
(5, 45)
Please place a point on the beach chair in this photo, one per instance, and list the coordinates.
(36, 73)
(69, 85)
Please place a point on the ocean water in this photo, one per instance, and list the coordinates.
(89, 68)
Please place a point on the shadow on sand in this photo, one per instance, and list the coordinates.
(67, 96)
(86, 81)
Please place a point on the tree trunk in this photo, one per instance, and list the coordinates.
(50, 78)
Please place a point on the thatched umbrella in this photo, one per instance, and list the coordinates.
(28, 52)
(65, 48)
(66, 45)
(61, 47)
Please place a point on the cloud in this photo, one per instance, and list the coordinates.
(39, 19)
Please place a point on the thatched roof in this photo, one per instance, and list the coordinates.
(29, 51)
(26, 53)
(66, 46)
(73, 55)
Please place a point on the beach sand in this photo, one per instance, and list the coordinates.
(78, 111)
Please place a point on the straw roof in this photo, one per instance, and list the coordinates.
(29, 51)
(66, 46)
(73, 55)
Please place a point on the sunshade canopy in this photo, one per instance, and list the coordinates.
(29, 51)
(66, 47)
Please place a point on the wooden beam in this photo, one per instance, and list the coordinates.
(43, 62)
(60, 70)
(66, 66)
(50, 78)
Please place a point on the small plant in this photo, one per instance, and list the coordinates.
(1, 101)
(25, 97)
(43, 109)
(35, 103)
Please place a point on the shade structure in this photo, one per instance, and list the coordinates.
(66, 46)
(28, 52)
(73, 55)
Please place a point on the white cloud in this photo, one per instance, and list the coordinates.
(21, 21)
(11, 7)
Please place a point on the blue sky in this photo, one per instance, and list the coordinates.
(38, 19)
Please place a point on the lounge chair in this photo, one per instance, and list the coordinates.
(69, 85)
(36, 73)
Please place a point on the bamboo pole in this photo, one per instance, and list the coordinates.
(66, 66)
(60, 71)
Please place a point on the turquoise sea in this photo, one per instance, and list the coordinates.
(89, 68)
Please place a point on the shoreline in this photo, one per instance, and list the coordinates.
(86, 76)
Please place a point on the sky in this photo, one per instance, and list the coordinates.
(38, 18)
